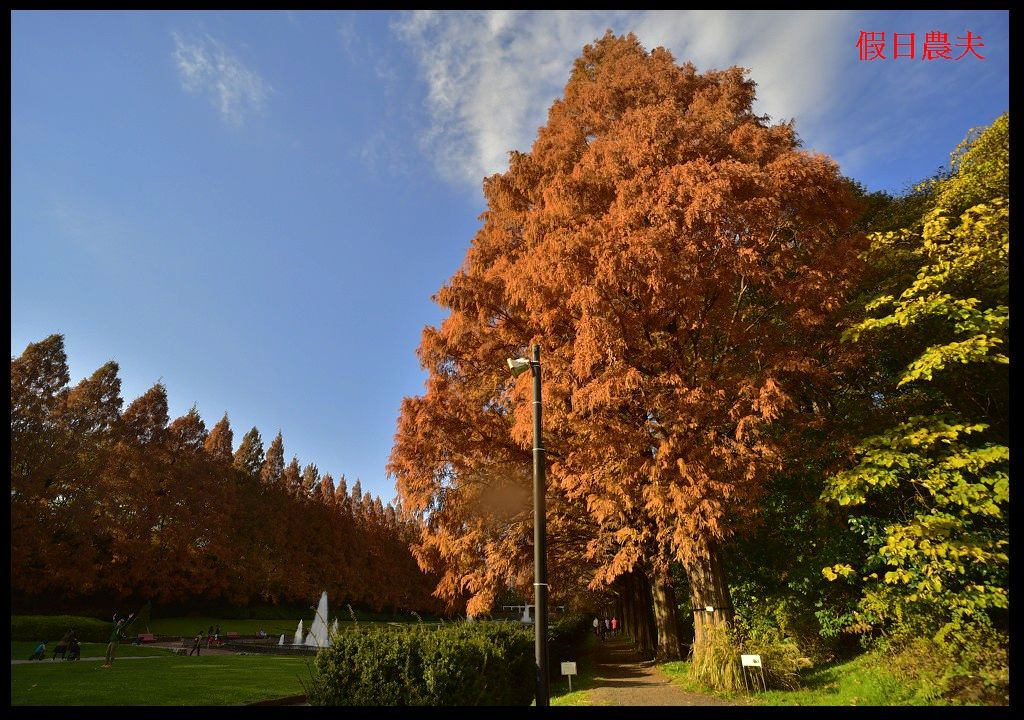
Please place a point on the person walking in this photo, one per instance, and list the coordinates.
(615, 626)
(197, 644)
(597, 627)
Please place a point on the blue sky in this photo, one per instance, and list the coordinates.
(255, 208)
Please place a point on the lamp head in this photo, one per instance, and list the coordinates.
(518, 366)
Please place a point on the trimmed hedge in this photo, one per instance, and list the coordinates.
(565, 638)
(53, 627)
(461, 664)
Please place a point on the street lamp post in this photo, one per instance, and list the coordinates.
(540, 570)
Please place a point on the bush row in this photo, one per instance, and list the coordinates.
(565, 639)
(53, 627)
(459, 664)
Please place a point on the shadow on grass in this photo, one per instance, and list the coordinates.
(581, 683)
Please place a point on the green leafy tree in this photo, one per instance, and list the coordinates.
(933, 488)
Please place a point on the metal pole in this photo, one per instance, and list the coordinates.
(540, 570)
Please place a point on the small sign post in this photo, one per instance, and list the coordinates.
(753, 661)
(569, 668)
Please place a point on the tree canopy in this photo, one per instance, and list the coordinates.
(112, 507)
(672, 252)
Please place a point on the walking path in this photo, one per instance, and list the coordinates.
(168, 646)
(50, 661)
(624, 679)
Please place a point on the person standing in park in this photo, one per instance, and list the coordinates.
(197, 644)
(74, 649)
(115, 637)
(597, 627)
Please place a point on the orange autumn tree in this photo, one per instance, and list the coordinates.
(112, 508)
(672, 252)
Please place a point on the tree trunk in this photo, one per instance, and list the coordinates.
(646, 630)
(628, 606)
(664, 604)
(709, 594)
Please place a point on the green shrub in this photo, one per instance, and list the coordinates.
(781, 658)
(53, 627)
(566, 637)
(459, 664)
(974, 671)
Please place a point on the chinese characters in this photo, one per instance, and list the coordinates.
(936, 46)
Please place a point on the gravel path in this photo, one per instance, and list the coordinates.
(624, 679)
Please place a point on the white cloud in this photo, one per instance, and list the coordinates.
(207, 67)
(491, 76)
(348, 37)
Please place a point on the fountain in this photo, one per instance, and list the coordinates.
(334, 627)
(298, 634)
(318, 631)
(281, 641)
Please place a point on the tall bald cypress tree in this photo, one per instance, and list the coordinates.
(249, 456)
(273, 464)
(219, 442)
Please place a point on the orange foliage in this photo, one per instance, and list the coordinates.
(110, 507)
(672, 252)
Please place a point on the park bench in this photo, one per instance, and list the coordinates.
(146, 637)
(186, 645)
(231, 635)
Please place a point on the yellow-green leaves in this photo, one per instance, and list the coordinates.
(837, 571)
(935, 487)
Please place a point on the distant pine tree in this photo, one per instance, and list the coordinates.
(219, 441)
(310, 478)
(249, 456)
(292, 478)
(145, 420)
(273, 465)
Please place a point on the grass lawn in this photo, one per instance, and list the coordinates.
(860, 681)
(170, 680)
(21, 649)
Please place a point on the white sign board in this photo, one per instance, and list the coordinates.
(568, 668)
(750, 660)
